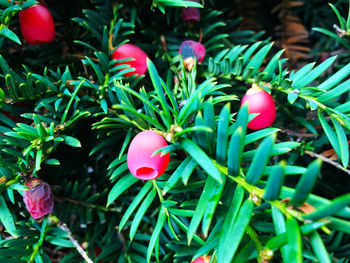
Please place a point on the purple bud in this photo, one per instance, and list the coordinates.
(189, 48)
(38, 198)
(191, 13)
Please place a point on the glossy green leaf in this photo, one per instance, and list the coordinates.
(156, 233)
(233, 231)
(222, 134)
(235, 150)
(260, 160)
(122, 185)
(6, 218)
(275, 182)
(137, 200)
(141, 212)
(71, 141)
(201, 207)
(331, 208)
(319, 248)
(202, 159)
(306, 183)
(294, 244)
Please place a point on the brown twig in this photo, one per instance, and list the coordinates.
(325, 159)
(81, 251)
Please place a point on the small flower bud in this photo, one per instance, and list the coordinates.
(141, 161)
(38, 198)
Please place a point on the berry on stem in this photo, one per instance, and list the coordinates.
(38, 198)
(139, 62)
(189, 50)
(259, 101)
(202, 259)
(37, 25)
(140, 161)
(191, 14)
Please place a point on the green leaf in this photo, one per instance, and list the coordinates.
(330, 133)
(275, 182)
(329, 209)
(280, 228)
(222, 134)
(203, 201)
(306, 183)
(6, 218)
(294, 245)
(319, 248)
(337, 77)
(340, 225)
(176, 176)
(260, 160)
(315, 73)
(211, 206)
(233, 230)
(235, 150)
(10, 35)
(202, 159)
(71, 141)
(156, 233)
(157, 84)
(131, 208)
(122, 185)
(141, 212)
(335, 92)
(343, 142)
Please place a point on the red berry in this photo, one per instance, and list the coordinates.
(38, 198)
(37, 25)
(191, 13)
(139, 62)
(140, 161)
(259, 101)
(202, 259)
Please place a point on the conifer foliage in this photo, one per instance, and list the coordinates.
(147, 151)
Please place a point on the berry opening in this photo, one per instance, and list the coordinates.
(146, 173)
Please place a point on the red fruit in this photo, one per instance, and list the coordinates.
(259, 101)
(202, 259)
(191, 13)
(131, 51)
(140, 161)
(38, 198)
(37, 25)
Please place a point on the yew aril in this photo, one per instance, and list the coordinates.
(37, 25)
(138, 56)
(202, 259)
(259, 101)
(140, 159)
(191, 14)
(38, 198)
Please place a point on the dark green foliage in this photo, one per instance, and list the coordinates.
(68, 115)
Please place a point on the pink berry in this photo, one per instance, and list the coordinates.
(139, 62)
(191, 13)
(38, 198)
(259, 101)
(202, 259)
(37, 25)
(140, 161)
